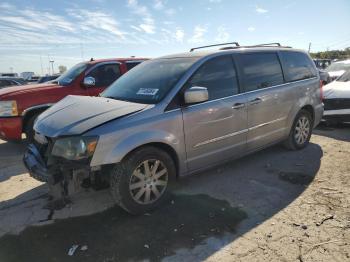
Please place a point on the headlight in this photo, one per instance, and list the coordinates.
(75, 148)
(8, 108)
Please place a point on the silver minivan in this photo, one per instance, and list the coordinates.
(177, 115)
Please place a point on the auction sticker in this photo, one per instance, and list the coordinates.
(147, 91)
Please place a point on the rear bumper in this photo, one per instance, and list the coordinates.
(11, 128)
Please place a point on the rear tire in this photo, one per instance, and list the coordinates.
(143, 181)
(299, 136)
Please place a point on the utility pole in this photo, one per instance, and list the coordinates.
(309, 47)
(51, 62)
(82, 51)
(41, 64)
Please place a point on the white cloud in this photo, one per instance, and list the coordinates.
(97, 20)
(251, 28)
(148, 22)
(158, 4)
(261, 10)
(170, 11)
(222, 34)
(28, 19)
(198, 34)
(179, 35)
(149, 29)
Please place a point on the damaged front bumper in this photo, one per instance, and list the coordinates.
(37, 168)
(65, 177)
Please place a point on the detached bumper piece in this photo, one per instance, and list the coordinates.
(37, 167)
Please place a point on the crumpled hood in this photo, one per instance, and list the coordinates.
(24, 88)
(75, 115)
(337, 89)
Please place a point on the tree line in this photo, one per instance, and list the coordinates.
(332, 54)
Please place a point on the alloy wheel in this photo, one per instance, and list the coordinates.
(302, 130)
(148, 181)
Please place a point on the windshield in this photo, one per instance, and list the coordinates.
(338, 66)
(150, 81)
(344, 77)
(67, 77)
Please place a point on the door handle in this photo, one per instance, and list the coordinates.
(238, 105)
(255, 101)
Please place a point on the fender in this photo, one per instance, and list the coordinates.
(130, 143)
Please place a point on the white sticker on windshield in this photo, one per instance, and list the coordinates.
(147, 91)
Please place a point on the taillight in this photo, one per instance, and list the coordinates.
(321, 90)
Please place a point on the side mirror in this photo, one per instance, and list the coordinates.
(89, 81)
(196, 94)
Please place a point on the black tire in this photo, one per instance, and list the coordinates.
(291, 143)
(122, 176)
(29, 128)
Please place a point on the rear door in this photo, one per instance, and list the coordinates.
(104, 74)
(268, 100)
(215, 130)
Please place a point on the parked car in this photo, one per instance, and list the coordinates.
(20, 106)
(8, 75)
(47, 78)
(33, 79)
(322, 63)
(11, 81)
(177, 115)
(336, 69)
(337, 100)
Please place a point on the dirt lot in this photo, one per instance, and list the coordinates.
(275, 205)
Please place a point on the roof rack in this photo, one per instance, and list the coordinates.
(200, 47)
(259, 45)
(269, 44)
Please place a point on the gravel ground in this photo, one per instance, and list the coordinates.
(274, 205)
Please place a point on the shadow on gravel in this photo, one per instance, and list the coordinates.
(339, 131)
(114, 235)
(9, 149)
(11, 159)
(261, 185)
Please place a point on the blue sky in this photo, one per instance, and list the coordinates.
(34, 32)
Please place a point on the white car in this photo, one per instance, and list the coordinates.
(337, 100)
(336, 69)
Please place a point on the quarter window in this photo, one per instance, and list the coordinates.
(218, 76)
(105, 74)
(261, 70)
(297, 66)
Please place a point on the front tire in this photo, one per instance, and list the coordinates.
(300, 134)
(142, 181)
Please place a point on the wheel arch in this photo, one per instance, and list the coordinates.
(30, 112)
(163, 146)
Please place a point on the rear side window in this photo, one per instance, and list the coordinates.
(218, 76)
(105, 74)
(260, 70)
(131, 65)
(297, 66)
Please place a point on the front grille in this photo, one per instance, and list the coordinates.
(336, 103)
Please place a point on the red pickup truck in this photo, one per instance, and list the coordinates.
(20, 105)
